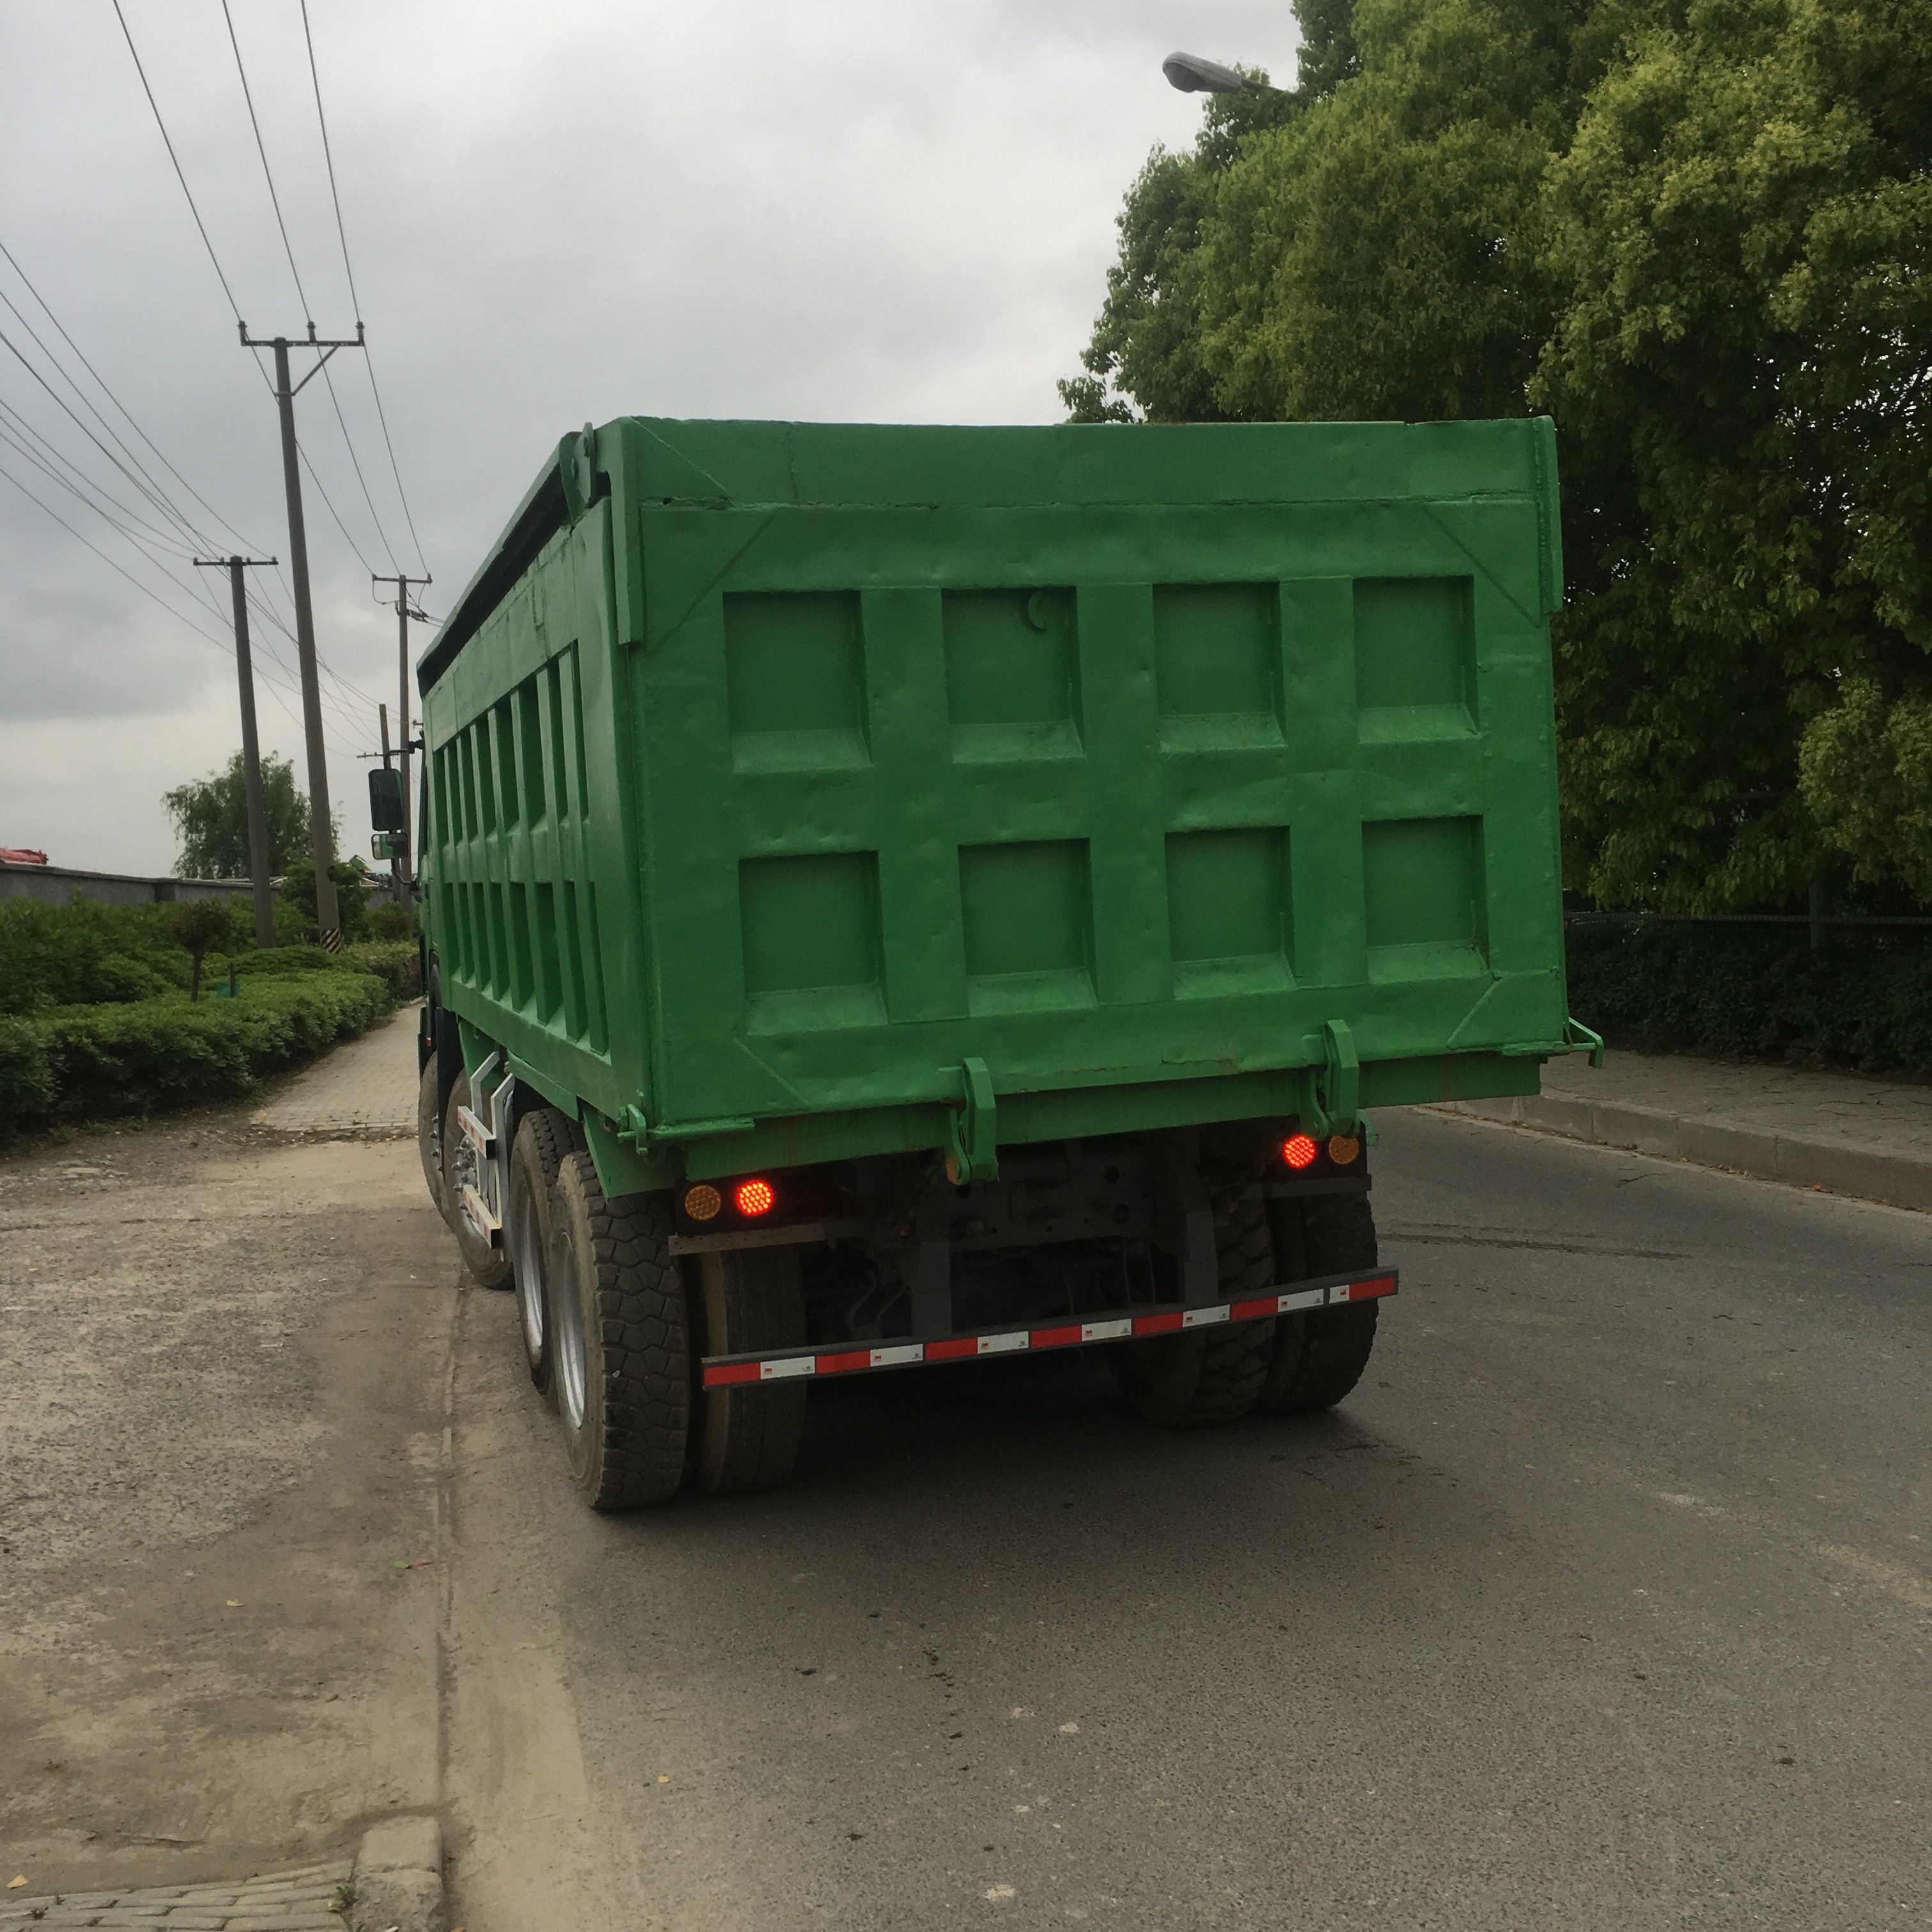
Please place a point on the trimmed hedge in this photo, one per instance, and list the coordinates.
(395, 962)
(148, 1056)
(1758, 993)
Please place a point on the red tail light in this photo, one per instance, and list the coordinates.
(756, 1197)
(1298, 1151)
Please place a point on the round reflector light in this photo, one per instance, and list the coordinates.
(1298, 1151)
(702, 1202)
(755, 1197)
(1343, 1149)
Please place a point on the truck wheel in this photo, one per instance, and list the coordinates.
(1208, 1376)
(489, 1266)
(544, 1138)
(620, 1350)
(1319, 1357)
(429, 1137)
(746, 1438)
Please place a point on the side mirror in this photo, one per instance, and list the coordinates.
(386, 799)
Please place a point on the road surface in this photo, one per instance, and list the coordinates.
(1605, 1602)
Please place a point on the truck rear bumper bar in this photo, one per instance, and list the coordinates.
(1121, 1325)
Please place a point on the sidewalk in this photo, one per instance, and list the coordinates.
(367, 1089)
(1843, 1132)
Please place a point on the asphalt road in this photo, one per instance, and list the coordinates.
(1605, 1602)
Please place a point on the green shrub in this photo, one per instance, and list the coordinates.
(148, 1056)
(1758, 993)
(395, 962)
(83, 954)
(391, 921)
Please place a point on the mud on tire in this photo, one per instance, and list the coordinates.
(429, 1137)
(622, 1365)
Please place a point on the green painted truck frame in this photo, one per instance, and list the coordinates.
(797, 793)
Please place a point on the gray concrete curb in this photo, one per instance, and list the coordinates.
(399, 1877)
(1844, 1167)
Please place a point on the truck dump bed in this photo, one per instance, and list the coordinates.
(794, 785)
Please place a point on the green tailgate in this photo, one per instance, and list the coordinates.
(1124, 761)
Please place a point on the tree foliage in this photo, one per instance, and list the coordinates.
(1698, 235)
(210, 818)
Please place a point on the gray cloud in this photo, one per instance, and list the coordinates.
(859, 210)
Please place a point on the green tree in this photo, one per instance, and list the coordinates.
(206, 925)
(296, 897)
(1694, 231)
(1742, 230)
(211, 819)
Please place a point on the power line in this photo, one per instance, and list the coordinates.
(356, 463)
(127, 415)
(274, 199)
(355, 301)
(201, 225)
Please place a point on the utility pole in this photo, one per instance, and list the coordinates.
(407, 873)
(397, 861)
(327, 917)
(261, 860)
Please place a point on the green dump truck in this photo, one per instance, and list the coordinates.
(895, 895)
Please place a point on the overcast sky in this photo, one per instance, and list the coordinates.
(856, 210)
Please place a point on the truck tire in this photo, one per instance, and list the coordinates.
(746, 1438)
(544, 1137)
(1208, 1375)
(1320, 1356)
(429, 1137)
(489, 1267)
(620, 1341)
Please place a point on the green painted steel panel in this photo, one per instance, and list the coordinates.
(777, 769)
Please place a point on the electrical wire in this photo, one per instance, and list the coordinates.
(356, 462)
(201, 225)
(355, 301)
(80, 356)
(261, 149)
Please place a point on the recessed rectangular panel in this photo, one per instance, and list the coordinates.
(1425, 912)
(1415, 665)
(1011, 674)
(1217, 664)
(1028, 927)
(795, 681)
(811, 930)
(1227, 910)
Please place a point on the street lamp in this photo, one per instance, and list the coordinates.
(1193, 75)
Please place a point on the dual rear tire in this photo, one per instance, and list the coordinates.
(1294, 1365)
(614, 1328)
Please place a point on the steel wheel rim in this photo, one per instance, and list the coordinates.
(567, 1341)
(530, 1296)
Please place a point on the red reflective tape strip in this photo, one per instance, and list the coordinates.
(1366, 1290)
(844, 1361)
(728, 1372)
(952, 1350)
(1057, 1338)
(1253, 1311)
(1157, 1325)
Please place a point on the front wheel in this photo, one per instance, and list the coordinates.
(462, 1167)
(620, 1341)
(429, 1137)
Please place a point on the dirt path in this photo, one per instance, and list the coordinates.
(223, 1364)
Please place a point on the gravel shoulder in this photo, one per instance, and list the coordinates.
(222, 1369)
